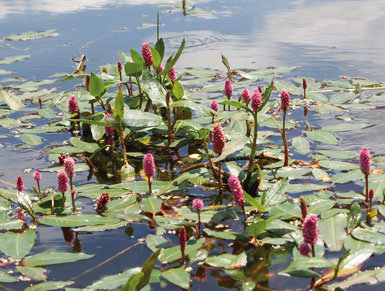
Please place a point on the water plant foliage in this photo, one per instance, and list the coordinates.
(139, 106)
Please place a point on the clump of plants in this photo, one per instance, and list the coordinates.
(149, 134)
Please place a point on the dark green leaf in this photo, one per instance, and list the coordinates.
(177, 90)
(171, 62)
(17, 245)
(332, 231)
(177, 276)
(96, 87)
(354, 217)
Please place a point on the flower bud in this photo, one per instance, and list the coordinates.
(285, 99)
(304, 250)
(120, 66)
(256, 100)
(37, 176)
(20, 184)
(228, 89)
(218, 139)
(310, 229)
(365, 161)
(62, 181)
(73, 105)
(246, 96)
(149, 165)
(147, 55)
(197, 204)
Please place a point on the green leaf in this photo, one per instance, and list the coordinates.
(47, 113)
(159, 46)
(339, 154)
(267, 93)
(32, 35)
(96, 87)
(369, 235)
(133, 282)
(97, 131)
(169, 255)
(275, 194)
(147, 268)
(137, 119)
(155, 242)
(354, 217)
(355, 259)
(237, 104)
(155, 57)
(321, 205)
(89, 147)
(133, 69)
(13, 102)
(77, 220)
(226, 63)
(301, 145)
(322, 136)
(254, 202)
(17, 245)
(34, 273)
(10, 60)
(113, 281)
(177, 90)
(154, 89)
(256, 228)
(320, 174)
(350, 176)
(177, 276)
(151, 204)
(6, 278)
(31, 139)
(371, 277)
(137, 58)
(227, 235)
(119, 107)
(46, 286)
(337, 165)
(227, 261)
(232, 146)
(53, 258)
(303, 263)
(286, 210)
(172, 62)
(348, 126)
(332, 231)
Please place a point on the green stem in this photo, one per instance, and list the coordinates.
(286, 163)
(199, 224)
(366, 188)
(253, 147)
(121, 135)
(220, 182)
(140, 92)
(38, 188)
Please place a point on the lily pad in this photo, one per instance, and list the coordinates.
(53, 258)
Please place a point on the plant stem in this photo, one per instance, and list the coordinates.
(140, 92)
(102, 103)
(366, 188)
(73, 202)
(313, 278)
(64, 198)
(38, 188)
(253, 148)
(220, 182)
(199, 224)
(149, 185)
(121, 135)
(286, 163)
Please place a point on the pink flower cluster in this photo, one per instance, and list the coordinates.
(62, 181)
(73, 105)
(310, 229)
(197, 204)
(20, 184)
(109, 130)
(285, 99)
(214, 105)
(228, 89)
(147, 55)
(236, 190)
(69, 166)
(37, 176)
(102, 201)
(304, 249)
(365, 161)
(172, 74)
(246, 96)
(149, 165)
(182, 238)
(120, 66)
(218, 139)
(256, 100)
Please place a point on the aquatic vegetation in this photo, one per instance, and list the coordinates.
(162, 154)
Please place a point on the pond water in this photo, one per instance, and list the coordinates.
(325, 39)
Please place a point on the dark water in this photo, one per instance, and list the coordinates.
(326, 39)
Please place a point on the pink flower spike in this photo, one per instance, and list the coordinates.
(147, 55)
(182, 241)
(120, 66)
(236, 190)
(69, 166)
(88, 83)
(365, 161)
(149, 165)
(304, 84)
(285, 99)
(110, 141)
(159, 70)
(62, 181)
(310, 229)
(102, 201)
(214, 105)
(73, 105)
(37, 176)
(371, 194)
(172, 74)
(20, 214)
(304, 250)
(228, 89)
(256, 100)
(109, 130)
(20, 184)
(218, 139)
(246, 96)
(197, 204)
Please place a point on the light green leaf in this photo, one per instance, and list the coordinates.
(227, 261)
(17, 245)
(332, 231)
(34, 273)
(301, 145)
(322, 136)
(46, 286)
(31, 139)
(177, 276)
(53, 258)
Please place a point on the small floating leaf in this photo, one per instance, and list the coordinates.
(301, 145)
(46, 286)
(31, 139)
(53, 258)
(323, 136)
(32, 35)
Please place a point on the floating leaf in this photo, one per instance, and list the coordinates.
(227, 261)
(323, 136)
(10, 60)
(301, 145)
(177, 276)
(320, 175)
(228, 235)
(34, 273)
(32, 35)
(350, 176)
(369, 235)
(46, 286)
(6, 278)
(332, 231)
(76, 220)
(151, 204)
(17, 245)
(113, 281)
(53, 258)
(31, 139)
(337, 165)
(365, 277)
(349, 126)
(12, 100)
